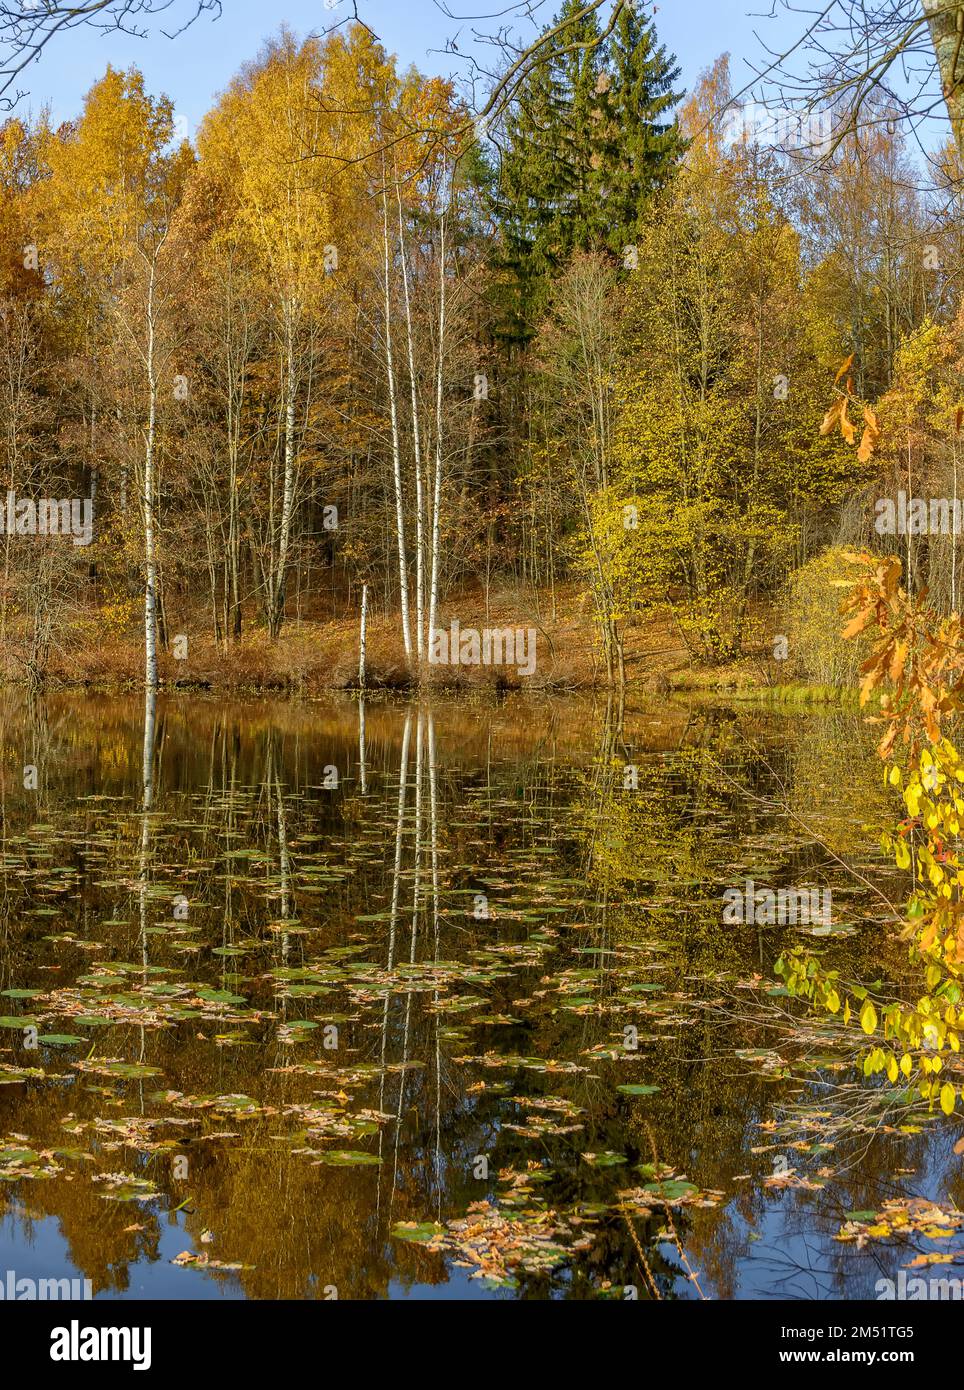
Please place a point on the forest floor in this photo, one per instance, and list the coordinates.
(319, 654)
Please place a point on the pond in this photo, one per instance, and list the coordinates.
(313, 1001)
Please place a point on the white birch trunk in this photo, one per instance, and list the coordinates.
(417, 448)
(150, 541)
(437, 491)
(288, 486)
(362, 636)
(396, 443)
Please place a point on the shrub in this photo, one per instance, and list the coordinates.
(818, 654)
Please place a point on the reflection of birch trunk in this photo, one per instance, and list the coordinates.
(399, 832)
(362, 767)
(433, 821)
(5, 880)
(419, 740)
(284, 864)
(403, 1077)
(606, 781)
(147, 803)
(396, 895)
(230, 788)
(39, 742)
(433, 810)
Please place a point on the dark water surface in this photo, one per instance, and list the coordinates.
(439, 1002)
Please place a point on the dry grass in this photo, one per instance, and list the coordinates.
(315, 656)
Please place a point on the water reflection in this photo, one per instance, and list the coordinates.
(304, 977)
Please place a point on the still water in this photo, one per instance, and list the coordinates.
(303, 1000)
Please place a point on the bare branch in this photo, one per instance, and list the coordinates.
(29, 26)
(868, 61)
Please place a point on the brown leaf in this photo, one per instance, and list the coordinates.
(887, 742)
(844, 369)
(871, 436)
(831, 417)
(858, 623)
(897, 659)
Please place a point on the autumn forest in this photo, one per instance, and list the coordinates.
(565, 364)
(481, 670)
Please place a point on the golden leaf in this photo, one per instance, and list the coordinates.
(844, 369)
(831, 417)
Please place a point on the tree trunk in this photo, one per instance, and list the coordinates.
(362, 637)
(150, 544)
(396, 442)
(437, 490)
(946, 24)
(417, 448)
(279, 577)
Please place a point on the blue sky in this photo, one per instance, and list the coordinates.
(194, 67)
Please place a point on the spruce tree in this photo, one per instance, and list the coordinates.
(644, 143)
(527, 193)
(577, 65)
(588, 141)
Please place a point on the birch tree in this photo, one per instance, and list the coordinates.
(279, 210)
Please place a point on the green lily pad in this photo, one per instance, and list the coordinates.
(421, 1232)
(671, 1190)
(348, 1158)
